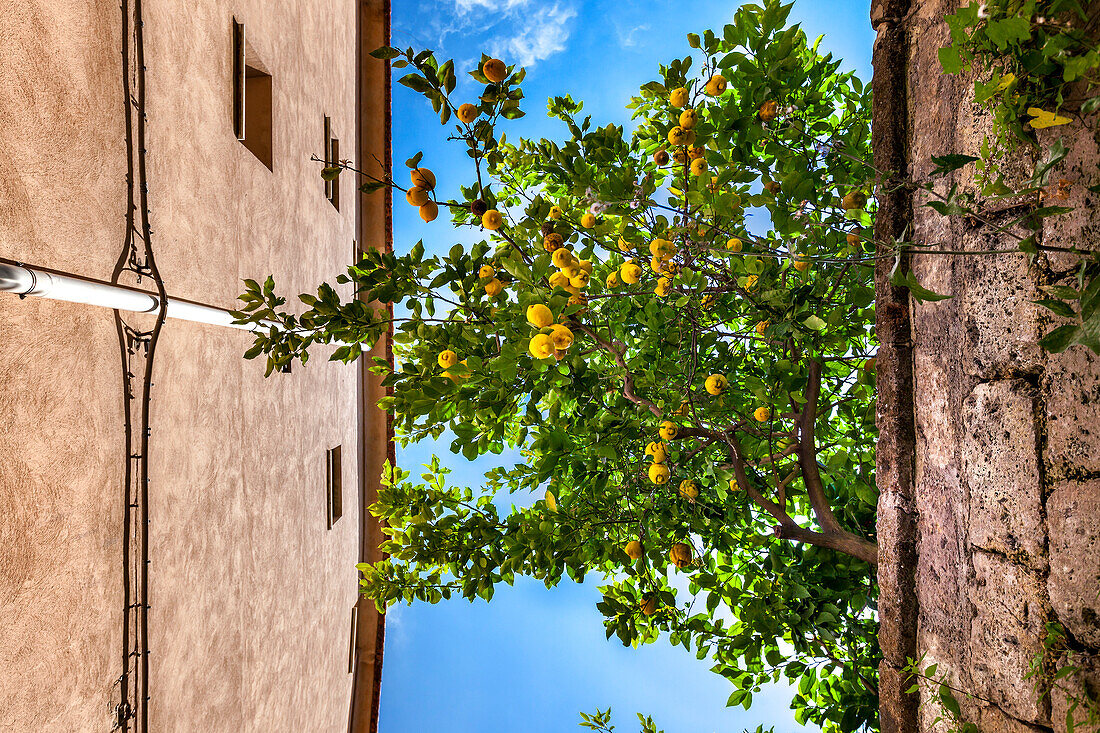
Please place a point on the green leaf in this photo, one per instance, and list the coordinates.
(1008, 30)
(1061, 338)
(385, 52)
(814, 323)
(1060, 307)
(950, 60)
(951, 162)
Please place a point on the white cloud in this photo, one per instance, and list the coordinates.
(627, 35)
(492, 6)
(543, 34)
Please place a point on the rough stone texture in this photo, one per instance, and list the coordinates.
(1073, 516)
(1001, 463)
(1006, 634)
(1007, 437)
(250, 593)
(1071, 389)
(1072, 695)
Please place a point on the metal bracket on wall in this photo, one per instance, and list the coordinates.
(137, 346)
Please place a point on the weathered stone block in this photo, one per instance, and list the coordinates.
(1071, 386)
(1073, 518)
(994, 720)
(1001, 467)
(1006, 635)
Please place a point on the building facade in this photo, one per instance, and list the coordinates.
(235, 608)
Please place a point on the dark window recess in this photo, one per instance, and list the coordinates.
(332, 157)
(353, 641)
(251, 98)
(333, 479)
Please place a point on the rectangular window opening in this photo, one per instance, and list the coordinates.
(252, 103)
(334, 482)
(332, 157)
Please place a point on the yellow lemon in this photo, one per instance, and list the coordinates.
(492, 220)
(559, 280)
(429, 211)
(716, 384)
(658, 473)
(447, 359)
(416, 196)
(494, 70)
(539, 316)
(680, 554)
(561, 336)
(630, 273)
(423, 178)
(680, 136)
(668, 430)
(562, 258)
(467, 112)
(542, 346)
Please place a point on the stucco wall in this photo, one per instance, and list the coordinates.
(1006, 487)
(250, 593)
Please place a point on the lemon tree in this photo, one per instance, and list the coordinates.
(672, 323)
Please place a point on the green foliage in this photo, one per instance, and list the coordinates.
(1036, 65)
(758, 553)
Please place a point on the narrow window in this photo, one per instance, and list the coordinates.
(251, 98)
(333, 478)
(332, 157)
(354, 637)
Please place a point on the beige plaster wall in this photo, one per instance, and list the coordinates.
(250, 593)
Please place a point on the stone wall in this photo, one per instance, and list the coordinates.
(1003, 508)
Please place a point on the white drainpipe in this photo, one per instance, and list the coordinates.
(23, 280)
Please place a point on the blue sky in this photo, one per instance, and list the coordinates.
(533, 658)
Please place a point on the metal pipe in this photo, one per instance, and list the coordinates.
(23, 281)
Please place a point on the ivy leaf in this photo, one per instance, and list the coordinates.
(950, 60)
(1008, 30)
(1042, 118)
